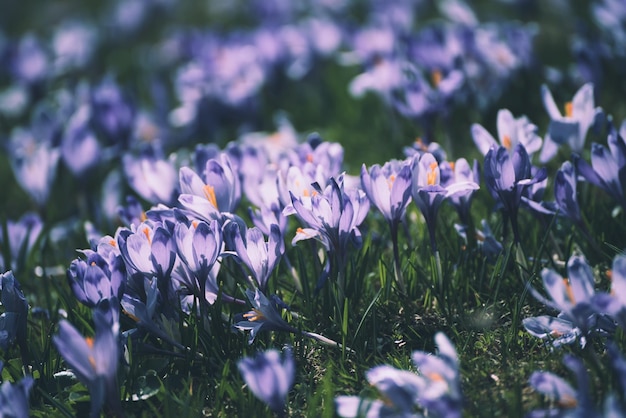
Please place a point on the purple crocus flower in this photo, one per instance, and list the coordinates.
(460, 171)
(21, 237)
(153, 177)
(569, 128)
(250, 248)
(511, 131)
(567, 400)
(614, 303)
(269, 377)
(217, 190)
(435, 389)
(573, 298)
(265, 315)
(507, 176)
(94, 361)
(608, 167)
(565, 193)
(428, 192)
(112, 113)
(14, 397)
(388, 188)
(79, 147)
(332, 217)
(34, 162)
(13, 319)
(96, 278)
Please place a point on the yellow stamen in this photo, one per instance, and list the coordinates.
(390, 181)
(209, 193)
(568, 290)
(305, 193)
(506, 141)
(569, 109)
(254, 315)
(451, 163)
(431, 176)
(143, 217)
(436, 77)
(419, 143)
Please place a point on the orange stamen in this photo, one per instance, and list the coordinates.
(569, 109)
(254, 315)
(506, 141)
(89, 342)
(451, 163)
(113, 243)
(390, 181)
(143, 217)
(431, 176)
(309, 158)
(436, 77)
(434, 376)
(194, 223)
(146, 232)
(209, 193)
(568, 402)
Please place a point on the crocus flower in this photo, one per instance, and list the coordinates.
(428, 193)
(34, 163)
(608, 167)
(569, 128)
(388, 188)
(217, 190)
(21, 237)
(265, 315)
(435, 389)
(250, 248)
(14, 397)
(151, 176)
(511, 131)
(460, 171)
(568, 401)
(332, 216)
(614, 303)
(79, 147)
(573, 298)
(507, 176)
(96, 278)
(113, 114)
(269, 377)
(13, 319)
(94, 361)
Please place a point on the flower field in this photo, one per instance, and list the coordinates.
(353, 208)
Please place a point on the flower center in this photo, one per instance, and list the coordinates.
(568, 290)
(436, 77)
(506, 141)
(254, 315)
(431, 176)
(569, 109)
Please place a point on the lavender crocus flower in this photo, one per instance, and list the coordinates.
(13, 319)
(608, 167)
(269, 377)
(218, 190)
(460, 171)
(113, 114)
(93, 360)
(570, 128)
(388, 188)
(96, 278)
(21, 237)
(14, 397)
(151, 176)
(573, 298)
(614, 303)
(34, 163)
(332, 217)
(511, 131)
(568, 401)
(428, 193)
(79, 147)
(435, 389)
(265, 315)
(507, 176)
(250, 248)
